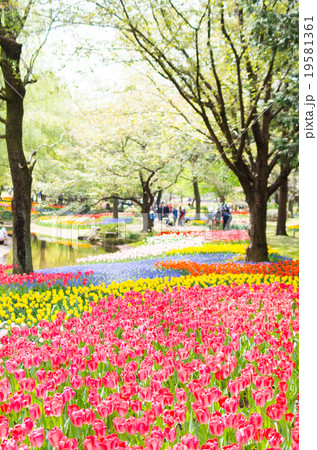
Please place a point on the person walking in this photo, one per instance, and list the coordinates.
(218, 219)
(181, 214)
(160, 212)
(225, 217)
(175, 214)
(209, 221)
(229, 220)
(184, 214)
(152, 214)
(166, 211)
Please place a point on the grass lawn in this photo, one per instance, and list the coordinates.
(286, 245)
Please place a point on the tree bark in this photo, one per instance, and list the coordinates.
(197, 198)
(146, 207)
(257, 250)
(115, 213)
(20, 173)
(159, 197)
(282, 209)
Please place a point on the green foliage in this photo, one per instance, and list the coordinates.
(133, 236)
(110, 228)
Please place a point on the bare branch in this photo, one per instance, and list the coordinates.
(133, 199)
(273, 162)
(277, 183)
(238, 68)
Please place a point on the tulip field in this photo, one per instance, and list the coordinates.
(174, 345)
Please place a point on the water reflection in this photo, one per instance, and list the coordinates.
(47, 254)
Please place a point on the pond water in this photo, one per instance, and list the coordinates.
(57, 254)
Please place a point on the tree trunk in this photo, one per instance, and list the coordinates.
(146, 207)
(147, 221)
(257, 250)
(282, 209)
(222, 199)
(115, 213)
(197, 198)
(159, 197)
(20, 173)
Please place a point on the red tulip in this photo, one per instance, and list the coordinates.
(274, 412)
(4, 427)
(29, 424)
(230, 420)
(217, 426)
(35, 412)
(170, 434)
(136, 406)
(91, 443)
(157, 408)
(256, 420)
(191, 442)
(54, 436)
(289, 417)
(23, 447)
(153, 443)
(202, 415)
(143, 426)
(119, 424)
(40, 390)
(76, 382)
(10, 444)
(67, 444)
(181, 395)
(37, 437)
(183, 376)
(258, 435)
(211, 444)
(231, 405)
(259, 398)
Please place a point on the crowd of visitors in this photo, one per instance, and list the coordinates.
(223, 213)
(168, 213)
(173, 215)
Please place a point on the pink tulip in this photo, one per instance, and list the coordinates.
(170, 434)
(54, 436)
(91, 443)
(191, 442)
(35, 412)
(37, 437)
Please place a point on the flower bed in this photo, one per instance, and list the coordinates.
(117, 356)
(36, 279)
(283, 268)
(153, 247)
(227, 236)
(45, 301)
(211, 248)
(213, 368)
